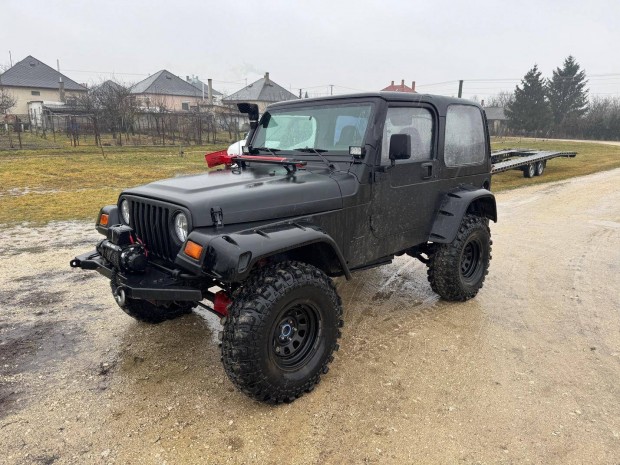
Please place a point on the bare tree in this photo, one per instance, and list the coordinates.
(229, 121)
(500, 100)
(91, 105)
(7, 101)
(118, 109)
(160, 115)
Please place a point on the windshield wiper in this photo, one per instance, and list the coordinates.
(267, 149)
(318, 152)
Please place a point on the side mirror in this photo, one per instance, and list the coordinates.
(400, 147)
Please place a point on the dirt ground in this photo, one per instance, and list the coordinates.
(528, 372)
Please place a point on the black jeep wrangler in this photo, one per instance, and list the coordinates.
(324, 187)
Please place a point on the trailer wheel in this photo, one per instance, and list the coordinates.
(530, 170)
(540, 168)
(281, 331)
(457, 270)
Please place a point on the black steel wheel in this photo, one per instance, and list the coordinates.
(295, 334)
(530, 170)
(540, 168)
(281, 331)
(456, 271)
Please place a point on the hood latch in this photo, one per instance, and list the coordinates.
(217, 215)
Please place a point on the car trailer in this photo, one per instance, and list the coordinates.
(531, 162)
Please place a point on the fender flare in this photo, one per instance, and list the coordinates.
(231, 257)
(454, 205)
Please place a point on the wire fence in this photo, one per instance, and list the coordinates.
(46, 130)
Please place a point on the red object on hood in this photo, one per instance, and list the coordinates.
(222, 158)
(218, 158)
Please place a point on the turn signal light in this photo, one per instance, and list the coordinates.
(193, 250)
(103, 219)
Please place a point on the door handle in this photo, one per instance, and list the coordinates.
(427, 170)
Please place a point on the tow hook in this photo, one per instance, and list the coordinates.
(119, 296)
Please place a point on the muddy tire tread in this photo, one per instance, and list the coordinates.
(247, 318)
(443, 267)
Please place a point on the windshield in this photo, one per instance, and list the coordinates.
(332, 128)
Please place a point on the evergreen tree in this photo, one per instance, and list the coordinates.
(567, 93)
(529, 109)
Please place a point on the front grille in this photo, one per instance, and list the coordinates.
(151, 224)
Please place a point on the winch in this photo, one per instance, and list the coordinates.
(123, 249)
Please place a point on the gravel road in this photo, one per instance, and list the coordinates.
(525, 373)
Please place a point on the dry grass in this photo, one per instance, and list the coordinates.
(38, 186)
(73, 183)
(590, 158)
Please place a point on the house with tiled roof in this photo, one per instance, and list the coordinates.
(262, 92)
(32, 80)
(164, 90)
(402, 87)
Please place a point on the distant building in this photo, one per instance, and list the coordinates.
(204, 89)
(165, 90)
(400, 87)
(54, 115)
(32, 80)
(262, 92)
(496, 120)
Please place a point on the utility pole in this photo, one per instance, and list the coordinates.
(460, 88)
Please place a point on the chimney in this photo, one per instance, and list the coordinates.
(61, 85)
(187, 78)
(267, 81)
(413, 86)
(210, 90)
(392, 83)
(482, 103)
(61, 90)
(402, 84)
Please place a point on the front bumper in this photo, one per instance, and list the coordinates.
(153, 284)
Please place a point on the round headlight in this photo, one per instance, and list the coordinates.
(180, 226)
(125, 211)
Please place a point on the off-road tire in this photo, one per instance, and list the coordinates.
(529, 171)
(252, 351)
(540, 168)
(456, 271)
(154, 312)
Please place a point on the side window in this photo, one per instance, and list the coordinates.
(465, 144)
(418, 123)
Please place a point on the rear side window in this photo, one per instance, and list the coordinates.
(465, 144)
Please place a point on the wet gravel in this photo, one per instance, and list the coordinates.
(525, 373)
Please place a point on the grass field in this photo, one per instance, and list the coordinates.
(39, 186)
(591, 157)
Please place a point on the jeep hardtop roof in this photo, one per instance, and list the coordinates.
(439, 101)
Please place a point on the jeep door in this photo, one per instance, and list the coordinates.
(405, 191)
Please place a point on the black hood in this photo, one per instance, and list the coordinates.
(256, 194)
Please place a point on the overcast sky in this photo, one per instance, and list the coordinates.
(352, 44)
